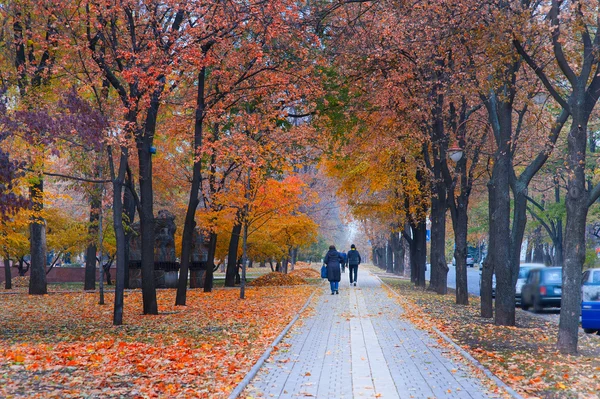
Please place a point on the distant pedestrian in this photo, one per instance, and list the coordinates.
(353, 262)
(344, 261)
(333, 260)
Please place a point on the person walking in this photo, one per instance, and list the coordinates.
(333, 261)
(353, 262)
(344, 261)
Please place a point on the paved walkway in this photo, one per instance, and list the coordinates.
(355, 345)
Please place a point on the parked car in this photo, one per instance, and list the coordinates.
(590, 301)
(542, 289)
(470, 261)
(524, 270)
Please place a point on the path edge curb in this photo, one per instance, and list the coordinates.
(465, 354)
(255, 369)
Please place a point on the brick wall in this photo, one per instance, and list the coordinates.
(62, 274)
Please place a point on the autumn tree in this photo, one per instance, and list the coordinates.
(573, 46)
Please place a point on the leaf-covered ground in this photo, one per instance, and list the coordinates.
(64, 345)
(524, 357)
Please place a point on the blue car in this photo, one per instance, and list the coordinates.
(590, 301)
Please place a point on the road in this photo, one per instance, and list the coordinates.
(472, 278)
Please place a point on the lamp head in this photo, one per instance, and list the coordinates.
(455, 153)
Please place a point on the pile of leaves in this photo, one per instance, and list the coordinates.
(277, 279)
(64, 345)
(524, 357)
(305, 273)
(20, 281)
(302, 265)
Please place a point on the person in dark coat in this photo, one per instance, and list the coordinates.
(333, 261)
(353, 262)
(344, 261)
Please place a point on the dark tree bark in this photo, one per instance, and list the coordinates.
(398, 250)
(538, 246)
(529, 252)
(389, 256)
(439, 267)
(232, 255)
(418, 253)
(210, 263)
(460, 254)
(90, 254)
(7, 274)
(577, 204)
(129, 216)
(21, 267)
(37, 240)
(190, 223)
(500, 229)
(118, 178)
(145, 141)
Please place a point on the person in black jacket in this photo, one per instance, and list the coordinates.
(353, 262)
(333, 260)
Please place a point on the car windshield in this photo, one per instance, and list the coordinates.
(524, 272)
(554, 276)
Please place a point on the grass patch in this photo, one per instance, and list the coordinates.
(524, 356)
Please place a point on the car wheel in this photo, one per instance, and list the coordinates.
(589, 330)
(537, 306)
(524, 305)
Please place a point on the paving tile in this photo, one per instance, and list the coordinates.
(356, 345)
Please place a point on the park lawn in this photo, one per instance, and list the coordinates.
(524, 357)
(64, 345)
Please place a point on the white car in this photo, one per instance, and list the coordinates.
(470, 261)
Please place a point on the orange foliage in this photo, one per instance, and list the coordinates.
(64, 344)
(277, 279)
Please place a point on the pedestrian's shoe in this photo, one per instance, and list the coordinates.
(355, 284)
(337, 292)
(332, 292)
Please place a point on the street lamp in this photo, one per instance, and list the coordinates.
(455, 153)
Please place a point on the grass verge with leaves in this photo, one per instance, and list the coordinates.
(64, 345)
(524, 357)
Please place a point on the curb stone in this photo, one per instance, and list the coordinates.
(466, 355)
(256, 368)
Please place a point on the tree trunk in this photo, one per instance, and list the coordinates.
(128, 210)
(284, 265)
(557, 240)
(389, 260)
(118, 183)
(37, 242)
(107, 273)
(145, 140)
(418, 253)
(558, 245)
(294, 257)
(538, 251)
(190, 223)
(7, 276)
(500, 217)
(487, 268)
(529, 252)
(210, 263)
(232, 257)
(439, 268)
(90, 254)
(398, 250)
(460, 252)
(574, 252)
